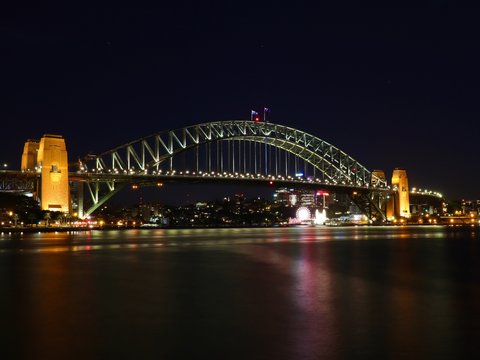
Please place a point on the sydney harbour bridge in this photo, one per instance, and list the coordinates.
(236, 151)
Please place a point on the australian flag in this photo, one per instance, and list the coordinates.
(265, 111)
(254, 116)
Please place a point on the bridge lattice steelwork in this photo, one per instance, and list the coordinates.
(236, 150)
(18, 182)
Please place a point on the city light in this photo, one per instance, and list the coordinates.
(303, 214)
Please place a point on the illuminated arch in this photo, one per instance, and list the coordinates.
(147, 153)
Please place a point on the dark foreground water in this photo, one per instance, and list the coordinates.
(285, 293)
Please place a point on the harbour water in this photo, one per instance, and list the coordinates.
(270, 293)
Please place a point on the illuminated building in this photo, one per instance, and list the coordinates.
(281, 196)
(307, 197)
(296, 197)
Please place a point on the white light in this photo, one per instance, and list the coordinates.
(320, 217)
(303, 214)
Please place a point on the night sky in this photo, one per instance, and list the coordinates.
(392, 87)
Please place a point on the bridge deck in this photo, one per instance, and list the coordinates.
(204, 178)
(11, 180)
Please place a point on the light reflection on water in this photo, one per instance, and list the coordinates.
(130, 239)
(281, 293)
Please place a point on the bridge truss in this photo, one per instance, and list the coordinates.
(237, 150)
(19, 182)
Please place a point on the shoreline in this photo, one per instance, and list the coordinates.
(4, 230)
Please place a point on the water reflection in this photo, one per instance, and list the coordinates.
(284, 293)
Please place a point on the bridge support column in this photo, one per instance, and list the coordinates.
(80, 200)
(53, 162)
(401, 199)
(380, 199)
(369, 204)
(29, 156)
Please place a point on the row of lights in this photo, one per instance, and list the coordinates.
(426, 192)
(231, 175)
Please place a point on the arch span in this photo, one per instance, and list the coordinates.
(334, 166)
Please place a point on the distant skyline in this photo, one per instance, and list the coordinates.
(391, 86)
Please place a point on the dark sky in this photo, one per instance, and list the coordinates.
(391, 86)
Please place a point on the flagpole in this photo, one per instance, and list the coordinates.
(264, 115)
(254, 116)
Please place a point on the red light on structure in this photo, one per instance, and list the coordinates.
(324, 193)
(270, 182)
(257, 119)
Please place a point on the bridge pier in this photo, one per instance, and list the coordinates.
(371, 204)
(398, 205)
(49, 158)
(80, 190)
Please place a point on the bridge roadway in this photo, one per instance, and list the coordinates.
(145, 179)
(18, 181)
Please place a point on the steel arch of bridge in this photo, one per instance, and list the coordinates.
(147, 154)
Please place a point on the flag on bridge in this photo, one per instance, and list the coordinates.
(265, 111)
(254, 116)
